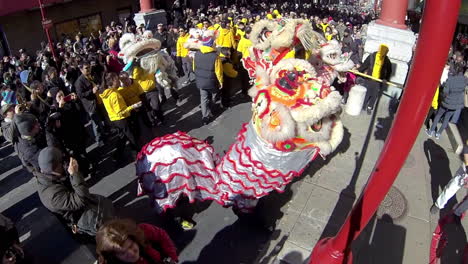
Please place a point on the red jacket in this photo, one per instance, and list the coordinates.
(157, 236)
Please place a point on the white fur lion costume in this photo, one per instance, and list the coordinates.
(145, 52)
(295, 119)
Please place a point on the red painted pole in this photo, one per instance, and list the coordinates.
(393, 13)
(146, 6)
(429, 60)
(46, 29)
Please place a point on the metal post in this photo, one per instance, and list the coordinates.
(46, 29)
(429, 60)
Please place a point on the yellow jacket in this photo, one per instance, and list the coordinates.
(199, 25)
(181, 50)
(131, 94)
(239, 34)
(243, 46)
(146, 80)
(435, 100)
(218, 63)
(324, 27)
(229, 71)
(115, 105)
(225, 38)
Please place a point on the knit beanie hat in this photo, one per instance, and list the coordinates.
(49, 159)
(5, 108)
(25, 123)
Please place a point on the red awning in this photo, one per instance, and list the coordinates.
(10, 6)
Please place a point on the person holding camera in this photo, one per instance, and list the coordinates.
(64, 193)
(63, 132)
(123, 241)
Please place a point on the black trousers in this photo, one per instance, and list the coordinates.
(245, 79)
(124, 134)
(153, 105)
(373, 89)
(430, 116)
(226, 91)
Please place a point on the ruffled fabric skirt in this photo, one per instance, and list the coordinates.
(178, 164)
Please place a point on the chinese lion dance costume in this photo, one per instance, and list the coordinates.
(295, 118)
(145, 59)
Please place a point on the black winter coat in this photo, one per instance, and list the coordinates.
(67, 198)
(28, 151)
(84, 90)
(368, 66)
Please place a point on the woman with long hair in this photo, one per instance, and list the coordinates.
(123, 241)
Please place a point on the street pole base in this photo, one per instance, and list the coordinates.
(323, 253)
(393, 24)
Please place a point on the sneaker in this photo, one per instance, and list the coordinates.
(434, 209)
(429, 133)
(186, 83)
(437, 136)
(369, 110)
(187, 225)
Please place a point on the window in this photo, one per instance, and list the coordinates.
(86, 25)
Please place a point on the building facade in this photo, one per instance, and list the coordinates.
(23, 29)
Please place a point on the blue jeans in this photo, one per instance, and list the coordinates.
(206, 98)
(448, 114)
(96, 122)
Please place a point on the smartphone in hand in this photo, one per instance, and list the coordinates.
(68, 98)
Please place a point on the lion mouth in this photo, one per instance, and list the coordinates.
(333, 55)
(316, 127)
(144, 52)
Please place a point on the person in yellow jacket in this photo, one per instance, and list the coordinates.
(432, 110)
(229, 74)
(132, 94)
(277, 14)
(119, 113)
(243, 50)
(324, 25)
(147, 82)
(379, 66)
(208, 70)
(225, 36)
(129, 89)
(183, 54)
